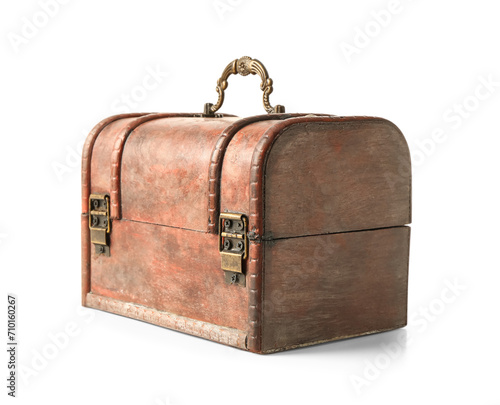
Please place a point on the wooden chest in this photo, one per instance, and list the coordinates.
(265, 233)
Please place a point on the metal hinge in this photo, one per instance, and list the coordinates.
(233, 246)
(99, 222)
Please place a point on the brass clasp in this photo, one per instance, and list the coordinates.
(233, 246)
(99, 222)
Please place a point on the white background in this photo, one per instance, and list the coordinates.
(416, 63)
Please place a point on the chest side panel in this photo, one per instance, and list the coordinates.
(336, 177)
(328, 287)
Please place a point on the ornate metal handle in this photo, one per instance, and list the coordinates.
(244, 66)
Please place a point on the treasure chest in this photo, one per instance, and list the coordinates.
(265, 233)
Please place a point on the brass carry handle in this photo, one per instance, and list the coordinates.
(244, 66)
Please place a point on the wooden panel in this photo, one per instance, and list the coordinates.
(164, 174)
(336, 177)
(169, 269)
(117, 154)
(327, 287)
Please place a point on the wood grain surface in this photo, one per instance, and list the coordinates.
(327, 287)
(337, 176)
(164, 171)
(169, 269)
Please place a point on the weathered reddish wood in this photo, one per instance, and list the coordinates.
(98, 156)
(218, 154)
(87, 153)
(117, 153)
(215, 168)
(169, 269)
(101, 177)
(235, 174)
(164, 171)
(328, 287)
(86, 186)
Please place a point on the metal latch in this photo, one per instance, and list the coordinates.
(99, 222)
(233, 246)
